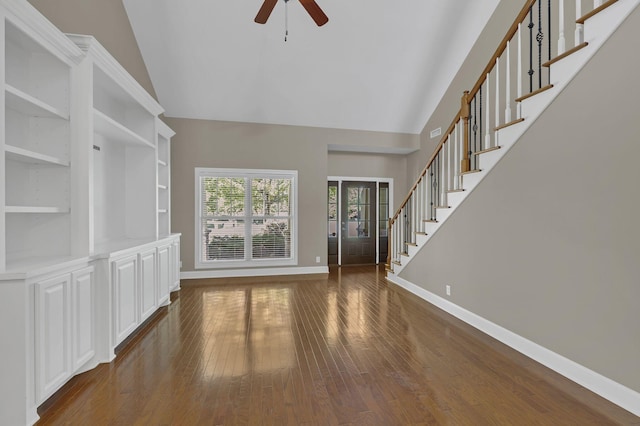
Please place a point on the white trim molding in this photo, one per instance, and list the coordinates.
(253, 272)
(613, 391)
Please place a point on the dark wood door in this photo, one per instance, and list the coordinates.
(358, 223)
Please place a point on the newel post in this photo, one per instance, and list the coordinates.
(465, 164)
(389, 243)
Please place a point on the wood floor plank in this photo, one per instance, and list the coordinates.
(348, 350)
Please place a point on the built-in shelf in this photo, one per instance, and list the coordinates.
(22, 102)
(33, 209)
(162, 163)
(25, 156)
(111, 129)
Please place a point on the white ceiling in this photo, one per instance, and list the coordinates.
(376, 65)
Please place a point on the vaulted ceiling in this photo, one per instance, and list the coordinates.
(376, 65)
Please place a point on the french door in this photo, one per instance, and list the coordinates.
(358, 215)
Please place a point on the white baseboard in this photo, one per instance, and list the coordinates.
(595, 382)
(251, 272)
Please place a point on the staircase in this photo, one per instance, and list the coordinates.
(524, 76)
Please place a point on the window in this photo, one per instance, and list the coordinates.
(245, 217)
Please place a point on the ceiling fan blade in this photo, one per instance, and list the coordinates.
(265, 11)
(316, 13)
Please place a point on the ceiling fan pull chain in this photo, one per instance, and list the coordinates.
(286, 19)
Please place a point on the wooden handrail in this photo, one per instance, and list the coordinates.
(503, 45)
(431, 160)
(469, 96)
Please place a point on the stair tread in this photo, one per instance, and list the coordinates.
(535, 92)
(595, 11)
(421, 233)
(442, 207)
(404, 254)
(395, 262)
(430, 221)
(412, 244)
(511, 123)
(484, 151)
(470, 171)
(452, 191)
(565, 54)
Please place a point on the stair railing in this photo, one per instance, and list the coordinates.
(518, 69)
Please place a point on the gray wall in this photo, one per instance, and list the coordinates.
(547, 245)
(107, 21)
(373, 166)
(203, 143)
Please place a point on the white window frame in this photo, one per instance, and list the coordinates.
(245, 173)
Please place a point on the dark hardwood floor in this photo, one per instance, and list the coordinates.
(352, 349)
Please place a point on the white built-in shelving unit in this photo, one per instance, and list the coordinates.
(164, 178)
(86, 250)
(36, 196)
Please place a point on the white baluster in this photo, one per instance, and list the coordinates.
(519, 88)
(456, 160)
(507, 111)
(420, 205)
(458, 155)
(579, 35)
(401, 236)
(597, 3)
(497, 68)
(443, 172)
(416, 195)
(487, 136)
(561, 40)
(450, 163)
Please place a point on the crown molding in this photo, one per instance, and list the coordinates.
(107, 63)
(29, 20)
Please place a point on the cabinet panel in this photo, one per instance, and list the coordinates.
(125, 282)
(52, 335)
(175, 265)
(164, 274)
(82, 324)
(148, 282)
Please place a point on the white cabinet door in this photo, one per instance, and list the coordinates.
(148, 283)
(53, 344)
(164, 274)
(82, 322)
(125, 283)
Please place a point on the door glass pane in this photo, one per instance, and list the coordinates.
(384, 211)
(359, 213)
(332, 213)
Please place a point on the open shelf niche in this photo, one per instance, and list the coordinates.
(36, 200)
(123, 152)
(164, 178)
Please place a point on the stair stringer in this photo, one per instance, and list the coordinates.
(597, 30)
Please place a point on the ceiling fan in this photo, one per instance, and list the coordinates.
(310, 5)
